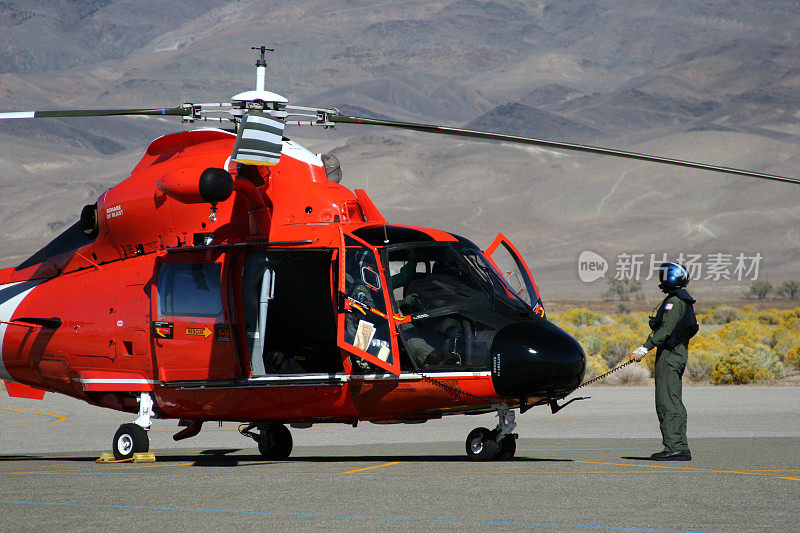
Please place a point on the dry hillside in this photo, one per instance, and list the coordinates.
(710, 81)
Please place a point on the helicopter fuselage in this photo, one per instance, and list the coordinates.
(294, 301)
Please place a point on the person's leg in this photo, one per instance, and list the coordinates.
(669, 401)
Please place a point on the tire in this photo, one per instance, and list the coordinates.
(481, 445)
(275, 443)
(508, 447)
(128, 440)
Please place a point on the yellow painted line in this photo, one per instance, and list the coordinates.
(372, 467)
(543, 473)
(691, 469)
(450, 473)
(58, 418)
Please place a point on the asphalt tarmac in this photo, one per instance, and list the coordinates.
(579, 470)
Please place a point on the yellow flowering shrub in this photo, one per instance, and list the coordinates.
(793, 358)
(734, 345)
(636, 322)
(786, 335)
(722, 314)
(770, 317)
(794, 313)
(746, 364)
(618, 346)
(700, 364)
(592, 339)
(584, 317)
(595, 366)
(747, 332)
(706, 340)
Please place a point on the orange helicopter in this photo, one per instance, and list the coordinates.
(232, 278)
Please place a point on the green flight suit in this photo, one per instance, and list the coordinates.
(669, 368)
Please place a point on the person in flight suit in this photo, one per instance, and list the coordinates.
(673, 325)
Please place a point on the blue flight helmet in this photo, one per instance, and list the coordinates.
(672, 276)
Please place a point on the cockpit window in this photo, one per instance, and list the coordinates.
(504, 286)
(370, 276)
(449, 275)
(190, 289)
(456, 301)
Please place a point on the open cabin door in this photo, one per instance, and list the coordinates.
(191, 328)
(365, 323)
(289, 319)
(507, 260)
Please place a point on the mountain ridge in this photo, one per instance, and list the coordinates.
(696, 80)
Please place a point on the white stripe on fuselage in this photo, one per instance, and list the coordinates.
(114, 381)
(11, 295)
(18, 114)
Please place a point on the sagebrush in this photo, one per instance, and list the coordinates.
(734, 345)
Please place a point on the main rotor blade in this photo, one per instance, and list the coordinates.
(181, 111)
(444, 130)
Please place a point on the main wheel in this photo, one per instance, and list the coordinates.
(508, 447)
(481, 445)
(275, 442)
(130, 439)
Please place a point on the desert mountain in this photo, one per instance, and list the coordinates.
(717, 82)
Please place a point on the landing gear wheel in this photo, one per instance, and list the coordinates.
(508, 447)
(130, 439)
(275, 441)
(481, 445)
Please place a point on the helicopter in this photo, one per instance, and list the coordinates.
(231, 277)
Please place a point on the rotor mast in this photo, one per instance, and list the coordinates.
(261, 67)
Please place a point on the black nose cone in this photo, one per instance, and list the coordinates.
(535, 358)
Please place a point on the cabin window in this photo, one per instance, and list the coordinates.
(190, 289)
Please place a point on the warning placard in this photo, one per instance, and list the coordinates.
(204, 332)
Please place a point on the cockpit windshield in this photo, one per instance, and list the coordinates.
(439, 276)
(456, 301)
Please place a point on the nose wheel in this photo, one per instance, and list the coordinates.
(481, 445)
(496, 444)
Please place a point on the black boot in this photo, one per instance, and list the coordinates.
(679, 455)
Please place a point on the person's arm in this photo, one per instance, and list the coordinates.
(405, 275)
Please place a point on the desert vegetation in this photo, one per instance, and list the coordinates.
(762, 289)
(734, 345)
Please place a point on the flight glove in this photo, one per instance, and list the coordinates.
(639, 353)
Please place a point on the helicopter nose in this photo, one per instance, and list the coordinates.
(535, 359)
